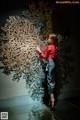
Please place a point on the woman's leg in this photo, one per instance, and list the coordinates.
(51, 81)
(52, 99)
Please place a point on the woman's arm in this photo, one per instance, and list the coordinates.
(45, 56)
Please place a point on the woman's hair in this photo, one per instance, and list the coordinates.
(53, 37)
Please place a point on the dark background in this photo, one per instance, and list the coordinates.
(64, 14)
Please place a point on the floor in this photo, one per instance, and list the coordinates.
(67, 109)
(29, 112)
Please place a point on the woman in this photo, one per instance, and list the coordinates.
(50, 57)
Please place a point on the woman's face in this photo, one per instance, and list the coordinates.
(49, 40)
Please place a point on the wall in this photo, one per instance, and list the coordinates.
(9, 88)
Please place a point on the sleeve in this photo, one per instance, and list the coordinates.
(45, 56)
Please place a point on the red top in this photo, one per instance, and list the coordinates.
(50, 52)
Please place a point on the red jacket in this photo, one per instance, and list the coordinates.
(49, 53)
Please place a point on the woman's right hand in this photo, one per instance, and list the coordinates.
(38, 48)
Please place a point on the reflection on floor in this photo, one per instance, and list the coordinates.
(29, 112)
(67, 109)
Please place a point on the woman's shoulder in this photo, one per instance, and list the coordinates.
(51, 46)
